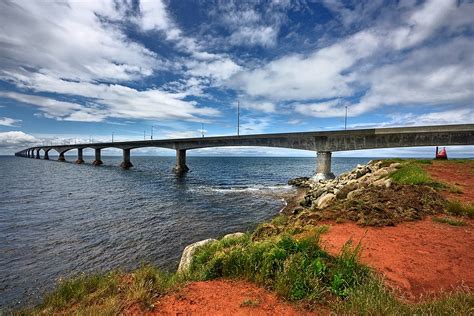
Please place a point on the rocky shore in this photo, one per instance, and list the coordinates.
(366, 195)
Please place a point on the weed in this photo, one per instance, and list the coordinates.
(250, 303)
(460, 209)
(280, 220)
(412, 173)
(449, 221)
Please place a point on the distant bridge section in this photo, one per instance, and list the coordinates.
(323, 143)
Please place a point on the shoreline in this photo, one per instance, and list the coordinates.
(295, 216)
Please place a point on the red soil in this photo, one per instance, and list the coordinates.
(224, 297)
(458, 174)
(419, 258)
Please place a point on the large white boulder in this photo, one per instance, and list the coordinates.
(188, 252)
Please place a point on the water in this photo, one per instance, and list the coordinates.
(60, 219)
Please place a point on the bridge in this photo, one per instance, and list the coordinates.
(323, 143)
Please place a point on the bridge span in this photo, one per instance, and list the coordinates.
(323, 143)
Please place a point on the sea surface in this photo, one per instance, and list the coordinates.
(61, 219)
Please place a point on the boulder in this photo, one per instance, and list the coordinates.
(188, 252)
(233, 235)
(325, 200)
(302, 182)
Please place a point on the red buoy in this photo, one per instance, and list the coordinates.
(441, 154)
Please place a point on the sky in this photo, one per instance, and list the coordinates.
(76, 71)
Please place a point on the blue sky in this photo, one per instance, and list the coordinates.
(75, 70)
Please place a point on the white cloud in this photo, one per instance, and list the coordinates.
(70, 41)
(7, 121)
(16, 139)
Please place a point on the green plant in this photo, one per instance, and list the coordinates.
(449, 221)
(250, 303)
(460, 209)
(412, 173)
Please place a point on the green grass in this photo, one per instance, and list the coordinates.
(250, 303)
(411, 172)
(449, 221)
(295, 269)
(373, 298)
(460, 209)
(106, 294)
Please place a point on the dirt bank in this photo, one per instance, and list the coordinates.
(225, 297)
(420, 258)
(460, 175)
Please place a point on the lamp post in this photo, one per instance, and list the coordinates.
(112, 137)
(238, 118)
(345, 120)
(151, 136)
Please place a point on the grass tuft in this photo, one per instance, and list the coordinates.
(460, 209)
(411, 173)
(449, 221)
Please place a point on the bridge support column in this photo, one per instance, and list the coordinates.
(323, 168)
(79, 159)
(61, 157)
(97, 161)
(28, 154)
(126, 164)
(180, 161)
(32, 153)
(38, 154)
(46, 155)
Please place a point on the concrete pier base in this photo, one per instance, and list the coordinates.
(323, 168)
(97, 161)
(79, 159)
(38, 154)
(126, 164)
(180, 161)
(61, 157)
(46, 155)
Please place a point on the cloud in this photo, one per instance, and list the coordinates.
(6, 121)
(73, 40)
(317, 76)
(385, 64)
(16, 139)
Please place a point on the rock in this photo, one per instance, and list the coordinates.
(233, 235)
(188, 252)
(265, 230)
(361, 172)
(325, 200)
(351, 194)
(395, 165)
(302, 182)
(388, 183)
(297, 210)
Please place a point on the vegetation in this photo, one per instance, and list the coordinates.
(295, 268)
(449, 221)
(412, 173)
(460, 209)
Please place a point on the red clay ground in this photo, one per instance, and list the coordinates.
(225, 297)
(458, 174)
(418, 258)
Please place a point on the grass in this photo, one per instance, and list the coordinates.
(373, 298)
(412, 173)
(449, 221)
(460, 209)
(296, 269)
(250, 303)
(106, 294)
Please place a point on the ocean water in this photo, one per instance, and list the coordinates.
(61, 219)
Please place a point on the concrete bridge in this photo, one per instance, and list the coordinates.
(323, 143)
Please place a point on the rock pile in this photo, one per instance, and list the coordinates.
(323, 193)
(365, 195)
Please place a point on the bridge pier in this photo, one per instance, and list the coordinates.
(32, 153)
(180, 161)
(79, 159)
(61, 157)
(28, 154)
(323, 168)
(38, 154)
(97, 161)
(46, 155)
(126, 164)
